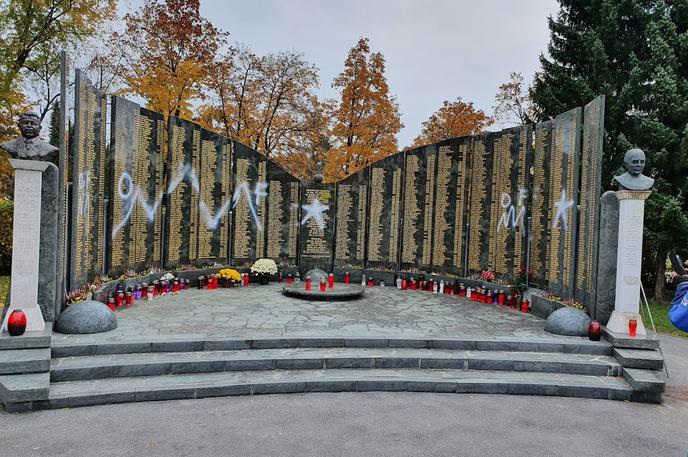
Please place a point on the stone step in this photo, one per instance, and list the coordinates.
(636, 342)
(191, 386)
(652, 381)
(19, 392)
(29, 340)
(23, 361)
(147, 364)
(87, 346)
(648, 359)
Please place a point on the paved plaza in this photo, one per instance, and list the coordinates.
(262, 311)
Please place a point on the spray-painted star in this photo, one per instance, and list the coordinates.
(562, 206)
(315, 210)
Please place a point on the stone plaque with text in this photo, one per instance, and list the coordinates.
(480, 202)
(135, 187)
(384, 218)
(88, 174)
(249, 205)
(563, 186)
(282, 231)
(351, 228)
(589, 213)
(317, 226)
(418, 199)
(540, 203)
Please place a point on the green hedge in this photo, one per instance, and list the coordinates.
(6, 213)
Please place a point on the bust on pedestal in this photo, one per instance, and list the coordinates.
(634, 189)
(34, 234)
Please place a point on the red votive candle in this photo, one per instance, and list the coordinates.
(175, 286)
(347, 278)
(111, 303)
(290, 279)
(245, 279)
(330, 280)
(370, 282)
(130, 299)
(119, 300)
(632, 326)
(404, 284)
(323, 285)
(489, 297)
(309, 283)
(524, 306)
(150, 293)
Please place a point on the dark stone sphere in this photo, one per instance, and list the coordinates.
(316, 274)
(88, 316)
(568, 321)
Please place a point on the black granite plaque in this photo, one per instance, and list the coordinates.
(589, 209)
(509, 201)
(214, 197)
(563, 184)
(480, 202)
(317, 226)
(135, 187)
(540, 204)
(182, 192)
(385, 204)
(88, 190)
(352, 220)
(418, 192)
(282, 216)
(249, 205)
(451, 194)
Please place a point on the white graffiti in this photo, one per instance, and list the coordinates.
(315, 211)
(563, 205)
(132, 195)
(512, 217)
(83, 205)
(259, 191)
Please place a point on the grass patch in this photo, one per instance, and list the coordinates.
(4, 287)
(660, 314)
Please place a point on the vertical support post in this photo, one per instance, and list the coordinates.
(229, 242)
(528, 234)
(62, 199)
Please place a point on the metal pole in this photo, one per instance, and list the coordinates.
(229, 242)
(652, 321)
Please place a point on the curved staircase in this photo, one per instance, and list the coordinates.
(90, 374)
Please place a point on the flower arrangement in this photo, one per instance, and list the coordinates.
(522, 278)
(487, 276)
(167, 277)
(229, 274)
(264, 267)
(565, 301)
(85, 292)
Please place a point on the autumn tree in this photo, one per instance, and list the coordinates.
(453, 119)
(31, 34)
(166, 52)
(268, 103)
(513, 103)
(366, 120)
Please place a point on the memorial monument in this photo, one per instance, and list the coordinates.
(34, 282)
(634, 189)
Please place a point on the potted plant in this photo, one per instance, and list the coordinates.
(263, 270)
(229, 277)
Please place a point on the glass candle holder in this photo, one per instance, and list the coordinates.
(309, 283)
(111, 303)
(404, 284)
(119, 299)
(489, 297)
(330, 280)
(138, 292)
(297, 278)
(347, 278)
(246, 280)
(201, 280)
(175, 287)
(150, 294)
(290, 279)
(370, 282)
(323, 285)
(632, 327)
(129, 299)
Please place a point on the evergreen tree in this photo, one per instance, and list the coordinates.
(636, 53)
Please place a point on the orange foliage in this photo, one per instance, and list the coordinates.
(513, 102)
(366, 120)
(166, 52)
(452, 120)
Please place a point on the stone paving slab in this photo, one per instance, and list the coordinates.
(262, 311)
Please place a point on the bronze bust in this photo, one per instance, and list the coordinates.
(634, 179)
(30, 146)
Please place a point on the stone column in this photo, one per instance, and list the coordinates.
(26, 242)
(628, 261)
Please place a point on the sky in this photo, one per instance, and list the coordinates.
(435, 50)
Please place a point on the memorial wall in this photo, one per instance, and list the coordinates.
(498, 201)
(87, 250)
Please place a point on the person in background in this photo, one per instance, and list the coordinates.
(678, 312)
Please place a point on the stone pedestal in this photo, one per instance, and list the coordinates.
(34, 243)
(628, 262)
